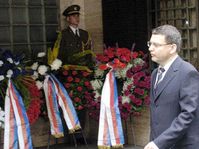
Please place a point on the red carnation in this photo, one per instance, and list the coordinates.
(65, 72)
(80, 107)
(85, 74)
(67, 85)
(69, 79)
(79, 88)
(77, 80)
(134, 55)
(86, 83)
(77, 99)
(103, 67)
(139, 91)
(74, 73)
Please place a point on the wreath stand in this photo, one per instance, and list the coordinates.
(132, 131)
(80, 131)
(73, 135)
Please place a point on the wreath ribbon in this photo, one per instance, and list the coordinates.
(110, 126)
(56, 96)
(17, 128)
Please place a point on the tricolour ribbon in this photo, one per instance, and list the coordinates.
(56, 96)
(110, 126)
(17, 128)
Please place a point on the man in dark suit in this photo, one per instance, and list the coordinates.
(74, 39)
(174, 94)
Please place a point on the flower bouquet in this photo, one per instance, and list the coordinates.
(14, 67)
(56, 96)
(41, 69)
(133, 80)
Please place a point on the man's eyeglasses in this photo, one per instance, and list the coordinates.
(156, 44)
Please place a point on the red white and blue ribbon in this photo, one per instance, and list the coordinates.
(17, 127)
(57, 96)
(110, 125)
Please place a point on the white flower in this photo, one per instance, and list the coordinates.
(56, 64)
(42, 69)
(97, 95)
(1, 77)
(10, 60)
(41, 54)
(97, 84)
(35, 75)
(125, 100)
(99, 73)
(138, 61)
(34, 66)
(127, 83)
(9, 73)
(1, 63)
(39, 84)
(17, 63)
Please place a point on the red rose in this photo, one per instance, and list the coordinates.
(74, 73)
(103, 67)
(127, 92)
(110, 54)
(129, 87)
(69, 79)
(85, 73)
(65, 72)
(79, 88)
(77, 99)
(80, 107)
(77, 80)
(134, 55)
(139, 91)
(86, 83)
(67, 85)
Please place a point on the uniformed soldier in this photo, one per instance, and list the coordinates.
(74, 39)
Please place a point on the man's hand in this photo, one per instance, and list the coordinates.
(151, 145)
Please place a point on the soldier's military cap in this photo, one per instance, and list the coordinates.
(73, 9)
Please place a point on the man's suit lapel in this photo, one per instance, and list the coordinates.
(169, 76)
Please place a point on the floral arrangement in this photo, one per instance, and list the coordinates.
(133, 80)
(14, 67)
(40, 69)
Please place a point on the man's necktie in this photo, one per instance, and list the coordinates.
(76, 33)
(159, 79)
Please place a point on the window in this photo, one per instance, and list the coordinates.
(184, 15)
(28, 26)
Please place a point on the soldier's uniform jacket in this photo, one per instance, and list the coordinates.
(71, 44)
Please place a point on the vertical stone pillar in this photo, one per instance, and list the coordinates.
(93, 22)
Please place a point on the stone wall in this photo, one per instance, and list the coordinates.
(138, 129)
